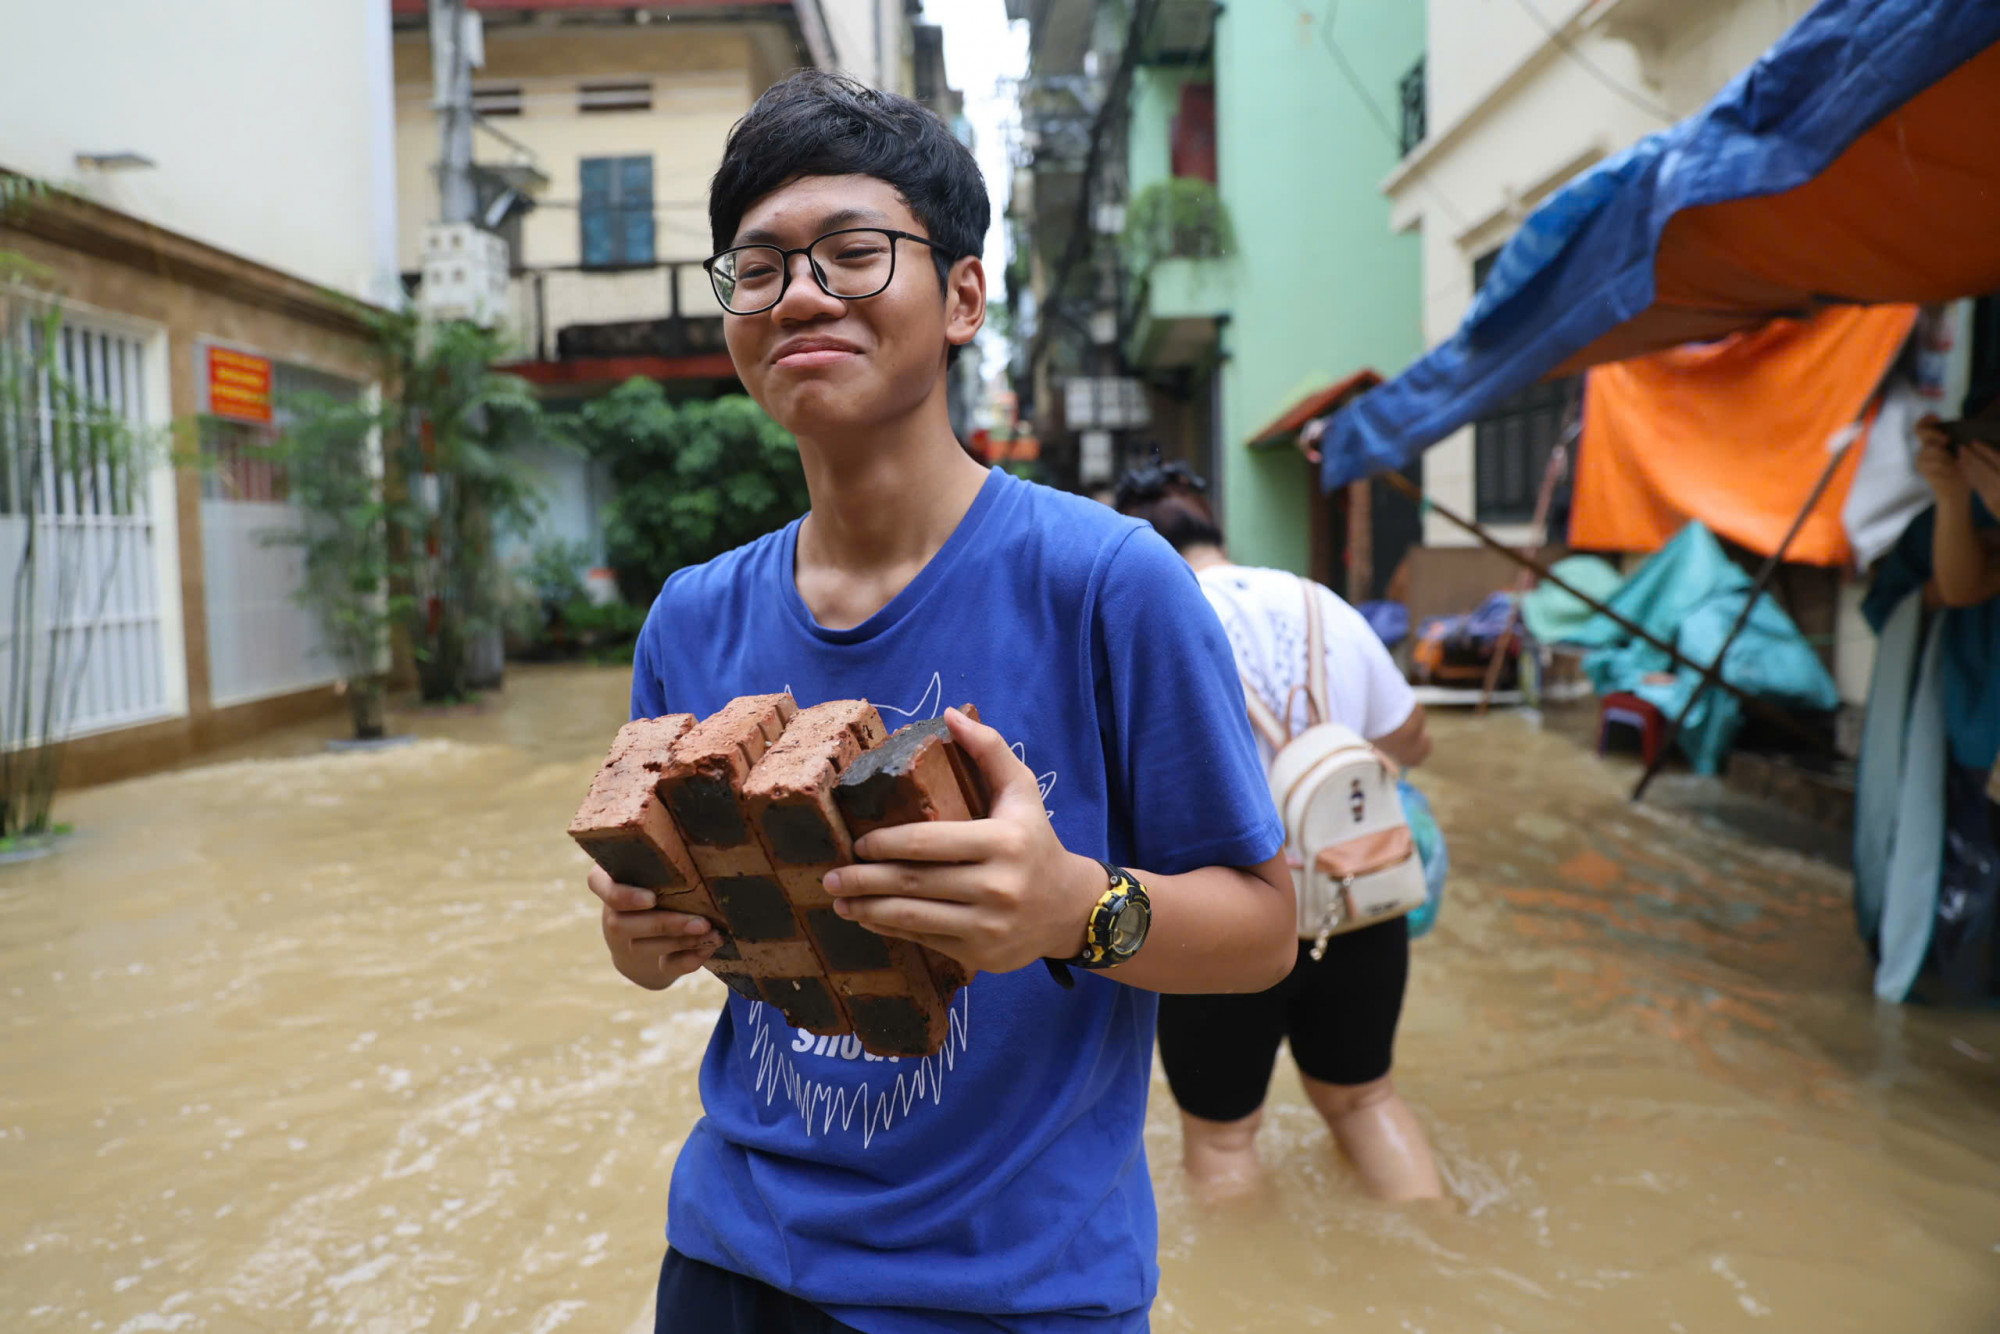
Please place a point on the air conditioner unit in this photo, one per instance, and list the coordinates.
(464, 274)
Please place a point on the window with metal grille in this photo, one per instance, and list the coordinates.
(621, 95)
(617, 211)
(82, 630)
(1511, 444)
(499, 99)
(1411, 94)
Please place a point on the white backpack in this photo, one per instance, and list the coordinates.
(1354, 861)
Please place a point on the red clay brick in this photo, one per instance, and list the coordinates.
(774, 960)
(625, 827)
(918, 774)
(789, 795)
(887, 990)
(700, 784)
(750, 808)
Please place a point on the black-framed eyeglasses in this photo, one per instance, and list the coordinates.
(849, 264)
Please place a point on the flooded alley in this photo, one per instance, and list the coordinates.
(308, 1041)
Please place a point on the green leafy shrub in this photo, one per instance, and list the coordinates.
(553, 573)
(345, 539)
(447, 423)
(450, 424)
(606, 633)
(691, 479)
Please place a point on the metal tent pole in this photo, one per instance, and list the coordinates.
(1712, 674)
(1763, 707)
(1551, 475)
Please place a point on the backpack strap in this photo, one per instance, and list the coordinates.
(1316, 707)
(1269, 726)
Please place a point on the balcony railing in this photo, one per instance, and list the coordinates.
(1410, 93)
(666, 309)
(1182, 32)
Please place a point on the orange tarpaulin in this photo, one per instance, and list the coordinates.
(1733, 433)
(1910, 212)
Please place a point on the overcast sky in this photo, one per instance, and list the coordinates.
(983, 53)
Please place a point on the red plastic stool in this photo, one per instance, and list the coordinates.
(1623, 709)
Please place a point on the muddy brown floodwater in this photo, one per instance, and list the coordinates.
(303, 1041)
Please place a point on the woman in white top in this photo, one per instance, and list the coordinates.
(1340, 1012)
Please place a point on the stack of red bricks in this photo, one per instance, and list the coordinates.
(738, 817)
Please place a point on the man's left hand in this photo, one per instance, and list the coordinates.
(996, 894)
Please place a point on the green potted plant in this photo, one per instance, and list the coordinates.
(333, 477)
(447, 431)
(1179, 218)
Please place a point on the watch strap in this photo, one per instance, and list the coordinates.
(1096, 951)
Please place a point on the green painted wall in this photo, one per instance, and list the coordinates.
(1320, 286)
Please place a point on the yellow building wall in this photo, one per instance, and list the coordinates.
(703, 79)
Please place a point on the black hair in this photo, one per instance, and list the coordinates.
(1170, 496)
(820, 124)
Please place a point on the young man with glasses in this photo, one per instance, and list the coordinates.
(1000, 1185)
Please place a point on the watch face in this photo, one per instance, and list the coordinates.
(1128, 928)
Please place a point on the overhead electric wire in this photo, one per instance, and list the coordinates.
(1375, 111)
(1567, 47)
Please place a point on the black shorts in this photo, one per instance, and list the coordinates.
(698, 1298)
(1340, 1015)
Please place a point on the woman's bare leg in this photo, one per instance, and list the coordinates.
(1379, 1134)
(1221, 1156)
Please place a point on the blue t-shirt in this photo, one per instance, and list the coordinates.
(1000, 1185)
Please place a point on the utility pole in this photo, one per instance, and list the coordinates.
(881, 65)
(457, 45)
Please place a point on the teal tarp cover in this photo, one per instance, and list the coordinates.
(1552, 613)
(1689, 594)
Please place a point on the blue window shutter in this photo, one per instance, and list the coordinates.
(599, 245)
(616, 210)
(635, 182)
(594, 215)
(638, 235)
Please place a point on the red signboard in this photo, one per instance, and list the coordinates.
(239, 386)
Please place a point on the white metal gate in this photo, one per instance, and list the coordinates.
(261, 642)
(83, 636)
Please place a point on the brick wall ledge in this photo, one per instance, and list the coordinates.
(92, 229)
(132, 752)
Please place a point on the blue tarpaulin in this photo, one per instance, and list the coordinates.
(1586, 280)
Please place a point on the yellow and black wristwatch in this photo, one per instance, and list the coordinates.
(1116, 928)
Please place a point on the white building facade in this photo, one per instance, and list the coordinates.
(1521, 97)
(224, 207)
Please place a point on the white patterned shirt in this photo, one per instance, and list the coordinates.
(1264, 613)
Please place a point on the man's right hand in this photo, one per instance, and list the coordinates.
(651, 946)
